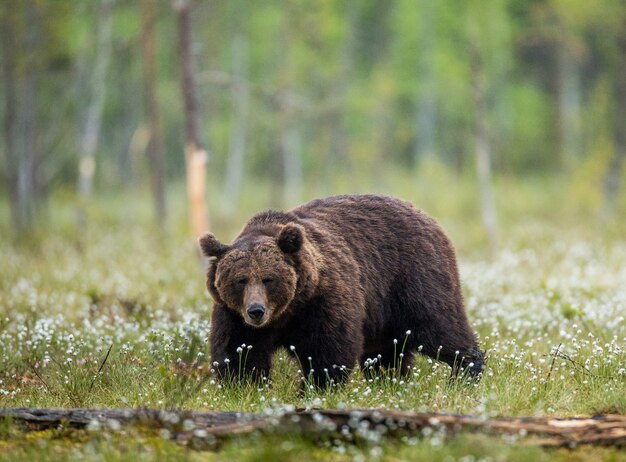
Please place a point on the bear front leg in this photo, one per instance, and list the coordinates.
(239, 352)
(329, 347)
(322, 369)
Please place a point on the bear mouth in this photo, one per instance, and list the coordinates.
(257, 324)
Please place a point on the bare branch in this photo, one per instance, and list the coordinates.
(100, 369)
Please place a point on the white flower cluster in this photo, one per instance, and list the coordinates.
(553, 324)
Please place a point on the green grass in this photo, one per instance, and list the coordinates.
(65, 301)
(139, 445)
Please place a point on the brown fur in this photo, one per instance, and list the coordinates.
(339, 279)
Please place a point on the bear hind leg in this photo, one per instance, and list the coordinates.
(462, 356)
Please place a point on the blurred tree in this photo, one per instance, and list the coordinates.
(426, 109)
(27, 117)
(93, 117)
(21, 42)
(240, 92)
(124, 117)
(373, 35)
(483, 149)
(195, 156)
(288, 104)
(338, 155)
(615, 169)
(569, 99)
(155, 146)
(488, 44)
(20, 210)
(561, 43)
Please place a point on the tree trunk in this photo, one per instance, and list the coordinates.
(91, 131)
(21, 110)
(155, 145)
(426, 113)
(240, 91)
(290, 151)
(196, 157)
(483, 149)
(132, 115)
(27, 123)
(338, 155)
(288, 135)
(615, 170)
(568, 88)
(9, 66)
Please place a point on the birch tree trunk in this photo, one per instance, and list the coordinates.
(195, 156)
(155, 144)
(483, 149)
(91, 131)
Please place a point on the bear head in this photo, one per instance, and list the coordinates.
(260, 274)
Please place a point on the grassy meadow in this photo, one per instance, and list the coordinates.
(549, 307)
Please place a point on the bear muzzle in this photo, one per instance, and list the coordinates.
(256, 312)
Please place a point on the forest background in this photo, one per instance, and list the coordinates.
(488, 113)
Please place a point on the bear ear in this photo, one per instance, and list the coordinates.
(290, 238)
(211, 247)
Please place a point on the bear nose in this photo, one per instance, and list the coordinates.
(256, 312)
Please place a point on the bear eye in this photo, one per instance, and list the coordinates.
(242, 282)
(267, 281)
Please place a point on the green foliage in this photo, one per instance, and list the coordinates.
(527, 132)
(357, 73)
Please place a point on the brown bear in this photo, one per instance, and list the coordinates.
(350, 278)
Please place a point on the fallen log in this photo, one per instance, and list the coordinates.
(209, 428)
(42, 418)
